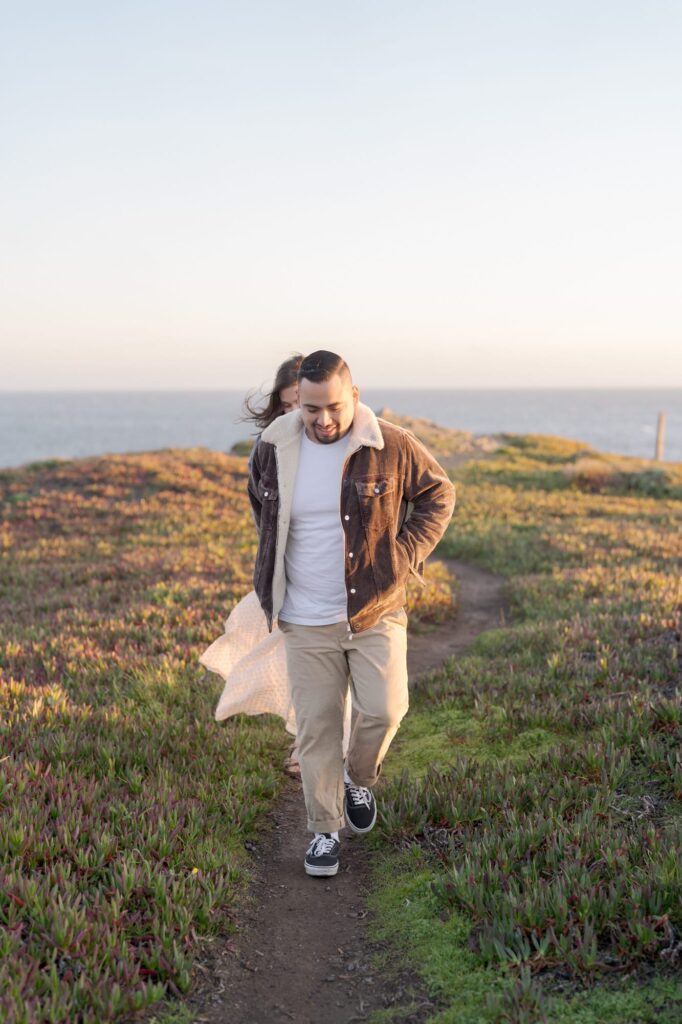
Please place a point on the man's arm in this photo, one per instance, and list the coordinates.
(252, 486)
(428, 487)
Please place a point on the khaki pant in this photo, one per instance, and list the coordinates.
(322, 661)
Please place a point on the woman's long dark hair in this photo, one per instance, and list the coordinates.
(262, 416)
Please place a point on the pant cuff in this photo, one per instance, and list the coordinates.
(366, 781)
(330, 825)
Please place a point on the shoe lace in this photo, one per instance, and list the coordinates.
(321, 844)
(360, 795)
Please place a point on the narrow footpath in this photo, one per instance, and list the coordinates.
(302, 952)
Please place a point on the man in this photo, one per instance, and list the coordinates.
(330, 486)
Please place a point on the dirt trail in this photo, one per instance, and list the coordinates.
(302, 952)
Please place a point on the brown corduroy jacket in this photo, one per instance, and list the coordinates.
(387, 470)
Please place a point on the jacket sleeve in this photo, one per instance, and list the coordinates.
(252, 487)
(427, 486)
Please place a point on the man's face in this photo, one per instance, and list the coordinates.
(327, 408)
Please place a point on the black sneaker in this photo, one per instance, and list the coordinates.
(361, 808)
(322, 857)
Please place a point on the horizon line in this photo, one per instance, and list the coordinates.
(367, 387)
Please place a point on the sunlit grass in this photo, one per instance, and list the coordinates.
(543, 786)
(124, 806)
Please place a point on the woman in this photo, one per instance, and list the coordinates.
(282, 399)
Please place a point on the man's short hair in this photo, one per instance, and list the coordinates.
(321, 365)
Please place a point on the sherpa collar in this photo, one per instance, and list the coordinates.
(365, 430)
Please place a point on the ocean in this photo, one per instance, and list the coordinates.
(73, 424)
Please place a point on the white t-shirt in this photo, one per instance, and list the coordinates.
(314, 558)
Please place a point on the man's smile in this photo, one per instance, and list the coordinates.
(326, 431)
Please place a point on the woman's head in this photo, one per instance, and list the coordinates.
(286, 384)
(283, 397)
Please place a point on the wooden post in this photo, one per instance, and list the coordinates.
(660, 437)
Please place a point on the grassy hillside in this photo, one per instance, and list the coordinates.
(533, 810)
(124, 807)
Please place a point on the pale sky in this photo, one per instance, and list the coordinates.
(449, 194)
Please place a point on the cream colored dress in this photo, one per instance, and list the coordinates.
(253, 664)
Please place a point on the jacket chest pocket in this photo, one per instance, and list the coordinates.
(269, 496)
(377, 500)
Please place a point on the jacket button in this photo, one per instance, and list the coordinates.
(266, 493)
(352, 590)
(376, 490)
(346, 518)
(350, 554)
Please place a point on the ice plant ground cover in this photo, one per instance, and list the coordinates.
(532, 805)
(124, 807)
